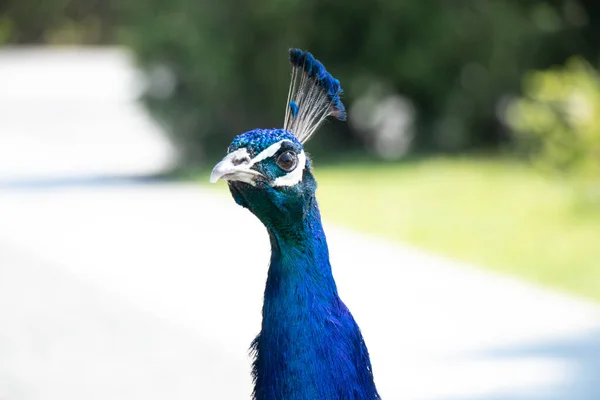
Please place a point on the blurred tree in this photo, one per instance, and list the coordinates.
(218, 68)
(558, 123)
(56, 22)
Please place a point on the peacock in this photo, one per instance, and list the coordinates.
(309, 346)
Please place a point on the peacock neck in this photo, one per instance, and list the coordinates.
(309, 347)
(300, 259)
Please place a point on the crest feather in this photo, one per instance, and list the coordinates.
(313, 96)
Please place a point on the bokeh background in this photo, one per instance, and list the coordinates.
(473, 131)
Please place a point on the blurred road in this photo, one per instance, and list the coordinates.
(71, 113)
(118, 287)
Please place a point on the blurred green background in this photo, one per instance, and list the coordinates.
(474, 126)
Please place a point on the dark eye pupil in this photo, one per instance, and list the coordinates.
(287, 161)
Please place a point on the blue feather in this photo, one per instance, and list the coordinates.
(315, 69)
(294, 108)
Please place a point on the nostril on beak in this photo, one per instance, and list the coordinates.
(241, 160)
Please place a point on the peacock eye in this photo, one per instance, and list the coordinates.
(287, 161)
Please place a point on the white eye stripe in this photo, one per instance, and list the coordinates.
(268, 152)
(294, 177)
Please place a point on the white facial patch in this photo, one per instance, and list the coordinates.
(239, 155)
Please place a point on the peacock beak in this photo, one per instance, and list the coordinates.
(236, 166)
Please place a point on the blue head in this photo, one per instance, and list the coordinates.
(267, 170)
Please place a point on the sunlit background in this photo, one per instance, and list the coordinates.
(461, 199)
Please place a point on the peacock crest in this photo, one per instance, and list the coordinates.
(313, 96)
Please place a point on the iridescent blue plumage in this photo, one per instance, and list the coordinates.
(294, 108)
(257, 140)
(310, 346)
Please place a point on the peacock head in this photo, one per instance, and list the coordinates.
(267, 170)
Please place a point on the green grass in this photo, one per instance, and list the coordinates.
(496, 214)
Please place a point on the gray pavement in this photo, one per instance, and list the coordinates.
(124, 289)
